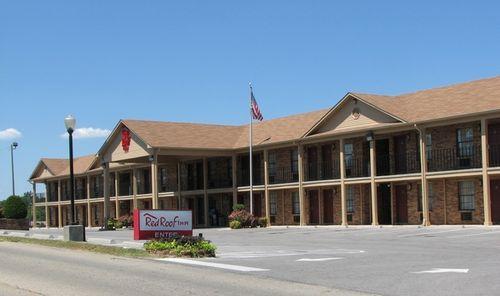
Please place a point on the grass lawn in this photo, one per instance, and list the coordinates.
(115, 251)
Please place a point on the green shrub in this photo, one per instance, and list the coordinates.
(262, 222)
(15, 208)
(235, 224)
(181, 246)
(110, 224)
(238, 207)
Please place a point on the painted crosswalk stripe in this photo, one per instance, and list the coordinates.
(318, 259)
(444, 270)
(212, 264)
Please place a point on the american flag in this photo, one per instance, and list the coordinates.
(254, 108)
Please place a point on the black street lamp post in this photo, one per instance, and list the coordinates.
(13, 147)
(70, 122)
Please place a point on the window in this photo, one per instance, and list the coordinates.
(111, 185)
(295, 203)
(294, 156)
(272, 164)
(348, 155)
(466, 195)
(428, 146)
(465, 142)
(273, 203)
(350, 200)
(430, 196)
(163, 177)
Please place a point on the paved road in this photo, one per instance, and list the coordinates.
(36, 270)
(400, 260)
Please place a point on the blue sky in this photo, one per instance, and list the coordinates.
(192, 60)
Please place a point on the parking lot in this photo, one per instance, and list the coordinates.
(391, 260)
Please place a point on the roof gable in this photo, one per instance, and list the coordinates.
(112, 150)
(352, 113)
(469, 98)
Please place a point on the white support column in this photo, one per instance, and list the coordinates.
(116, 189)
(373, 185)
(106, 193)
(154, 180)
(116, 195)
(266, 189)
(59, 209)
(392, 203)
(33, 207)
(486, 178)
(234, 166)
(321, 205)
(89, 218)
(179, 186)
(423, 165)
(343, 199)
(134, 189)
(47, 218)
(205, 192)
(301, 188)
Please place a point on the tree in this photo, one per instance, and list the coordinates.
(15, 208)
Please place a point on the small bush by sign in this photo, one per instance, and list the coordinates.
(181, 246)
(235, 224)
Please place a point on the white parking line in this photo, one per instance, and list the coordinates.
(212, 264)
(283, 253)
(431, 232)
(444, 270)
(317, 259)
(473, 234)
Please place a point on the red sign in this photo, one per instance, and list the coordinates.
(149, 224)
(125, 139)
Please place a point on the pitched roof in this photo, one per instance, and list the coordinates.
(59, 167)
(184, 135)
(160, 134)
(55, 165)
(439, 103)
(280, 129)
(80, 165)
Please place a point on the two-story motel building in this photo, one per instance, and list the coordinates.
(430, 157)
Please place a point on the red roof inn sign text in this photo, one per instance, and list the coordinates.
(149, 224)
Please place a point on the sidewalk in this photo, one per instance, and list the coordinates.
(117, 238)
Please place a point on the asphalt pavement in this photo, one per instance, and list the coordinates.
(392, 260)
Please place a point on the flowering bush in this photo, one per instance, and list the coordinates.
(126, 220)
(242, 216)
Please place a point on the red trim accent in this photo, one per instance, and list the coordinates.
(136, 225)
(125, 139)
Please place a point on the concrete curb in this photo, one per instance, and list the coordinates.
(133, 245)
(42, 236)
(18, 234)
(101, 241)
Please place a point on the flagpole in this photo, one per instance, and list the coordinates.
(251, 151)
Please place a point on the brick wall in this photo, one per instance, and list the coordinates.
(452, 203)
(14, 224)
(446, 136)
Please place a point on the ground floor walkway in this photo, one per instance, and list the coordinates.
(451, 201)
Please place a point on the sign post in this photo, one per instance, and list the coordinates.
(149, 224)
